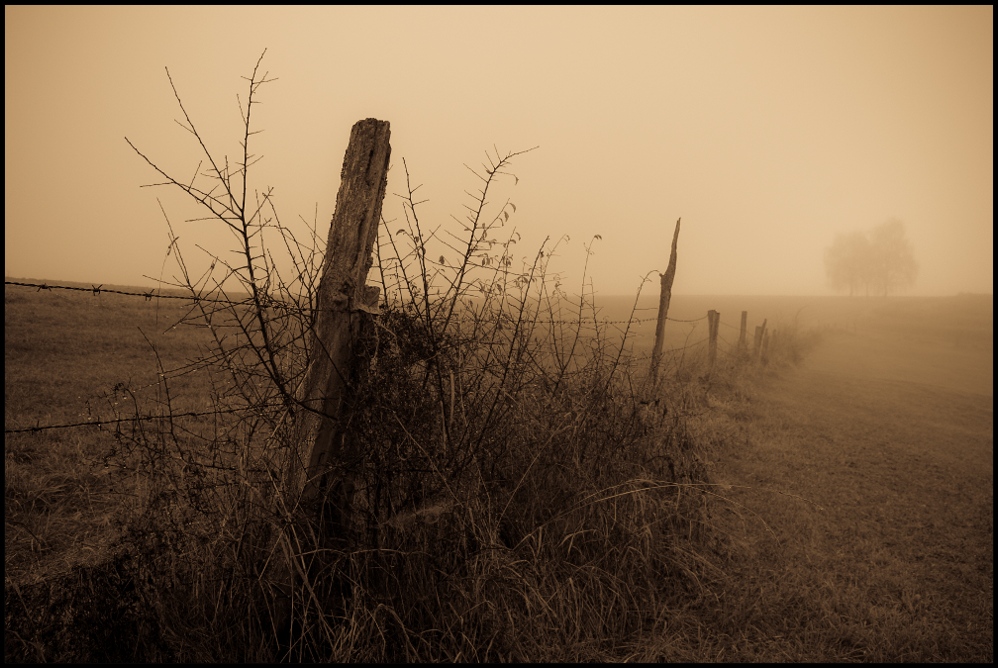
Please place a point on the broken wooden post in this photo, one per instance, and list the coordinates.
(742, 342)
(764, 356)
(344, 304)
(323, 461)
(663, 307)
(713, 320)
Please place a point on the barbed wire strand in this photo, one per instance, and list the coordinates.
(97, 290)
(99, 422)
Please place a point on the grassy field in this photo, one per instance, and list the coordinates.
(851, 504)
(68, 356)
(858, 508)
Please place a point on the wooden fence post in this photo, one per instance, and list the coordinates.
(323, 461)
(344, 306)
(759, 331)
(764, 357)
(663, 307)
(318, 446)
(713, 320)
(742, 342)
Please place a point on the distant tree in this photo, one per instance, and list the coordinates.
(847, 262)
(894, 267)
(881, 262)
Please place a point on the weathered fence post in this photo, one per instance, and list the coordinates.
(663, 306)
(742, 342)
(713, 320)
(323, 461)
(343, 303)
(764, 357)
(759, 331)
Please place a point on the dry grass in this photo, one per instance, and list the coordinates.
(776, 513)
(570, 534)
(859, 515)
(64, 354)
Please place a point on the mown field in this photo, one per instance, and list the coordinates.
(859, 494)
(851, 496)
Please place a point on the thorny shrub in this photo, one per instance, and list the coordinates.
(521, 495)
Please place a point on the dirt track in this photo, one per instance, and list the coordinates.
(860, 511)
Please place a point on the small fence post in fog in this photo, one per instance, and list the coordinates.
(663, 307)
(757, 343)
(742, 342)
(764, 356)
(713, 321)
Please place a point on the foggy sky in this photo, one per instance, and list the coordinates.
(768, 130)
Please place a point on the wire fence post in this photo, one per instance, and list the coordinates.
(323, 460)
(757, 343)
(713, 321)
(344, 304)
(663, 307)
(742, 341)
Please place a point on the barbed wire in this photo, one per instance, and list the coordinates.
(97, 290)
(99, 422)
(270, 302)
(149, 296)
(102, 422)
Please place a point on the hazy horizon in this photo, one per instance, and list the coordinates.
(768, 130)
(651, 291)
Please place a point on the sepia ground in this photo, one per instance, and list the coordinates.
(852, 516)
(858, 496)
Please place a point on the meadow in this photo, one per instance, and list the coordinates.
(859, 506)
(838, 501)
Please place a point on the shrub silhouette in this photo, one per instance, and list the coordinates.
(518, 498)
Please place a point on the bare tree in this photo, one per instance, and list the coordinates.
(893, 261)
(847, 263)
(881, 261)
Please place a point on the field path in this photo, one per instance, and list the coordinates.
(859, 507)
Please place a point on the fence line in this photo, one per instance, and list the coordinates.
(274, 303)
(96, 290)
(98, 422)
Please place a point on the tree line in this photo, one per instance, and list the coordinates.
(877, 262)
